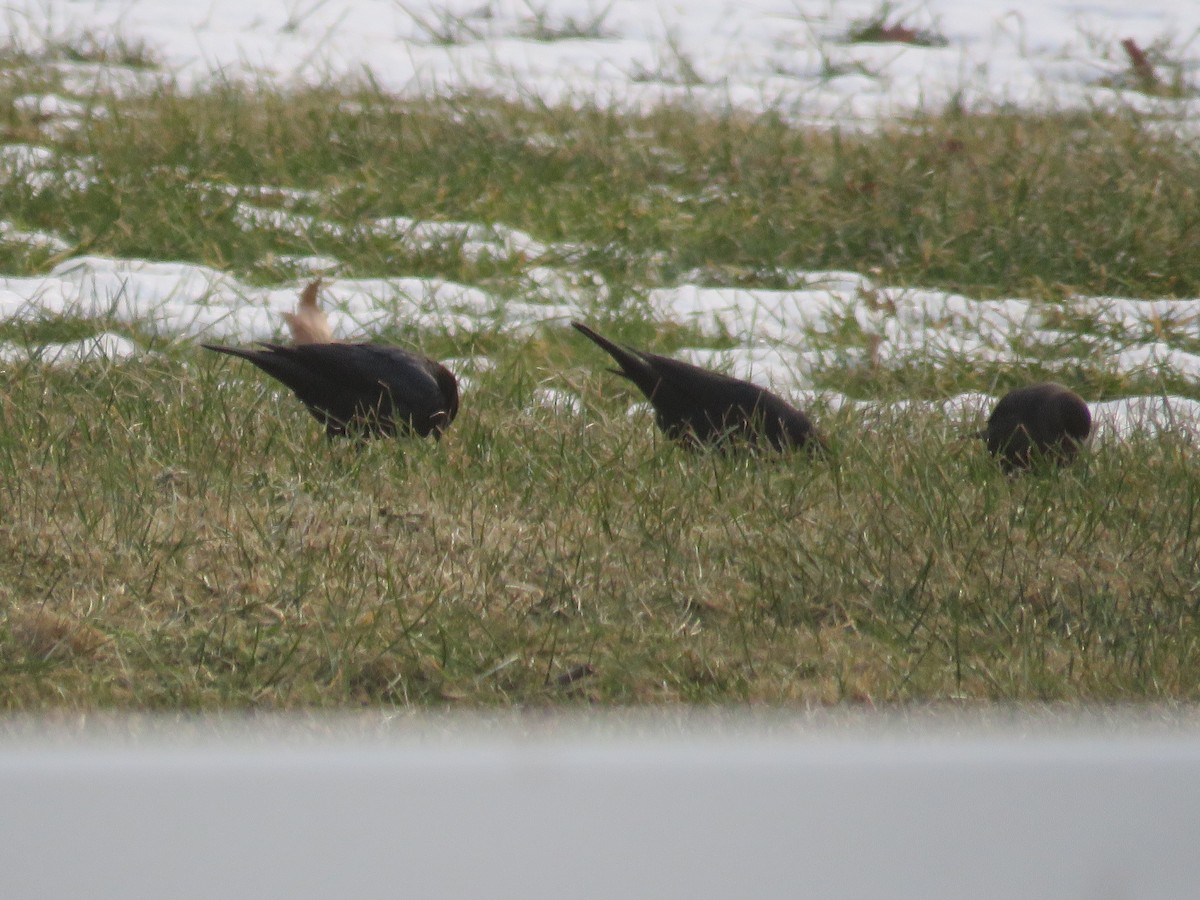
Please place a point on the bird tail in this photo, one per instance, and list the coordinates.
(232, 351)
(269, 358)
(630, 362)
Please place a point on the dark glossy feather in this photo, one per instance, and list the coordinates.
(1043, 421)
(366, 390)
(695, 406)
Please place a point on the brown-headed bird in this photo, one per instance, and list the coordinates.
(309, 324)
(696, 407)
(1041, 422)
(362, 390)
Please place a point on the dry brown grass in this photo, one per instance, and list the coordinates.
(229, 557)
(202, 546)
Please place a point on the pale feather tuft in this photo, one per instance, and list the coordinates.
(308, 323)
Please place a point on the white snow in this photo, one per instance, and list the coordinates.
(789, 54)
(100, 347)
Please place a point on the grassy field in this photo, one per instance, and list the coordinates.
(177, 534)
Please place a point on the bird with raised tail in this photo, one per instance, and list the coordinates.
(362, 390)
(697, 407)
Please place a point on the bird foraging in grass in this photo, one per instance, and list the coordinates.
(362, 390)
(696, 407)
(1043, 422)
(309, 324)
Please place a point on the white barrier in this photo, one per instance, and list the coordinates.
(612, 809)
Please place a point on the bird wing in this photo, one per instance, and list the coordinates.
(390, 381)
(703, 387)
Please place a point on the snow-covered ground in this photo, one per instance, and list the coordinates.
(791, 55)
(787, 53)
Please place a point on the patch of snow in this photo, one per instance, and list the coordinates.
(9, 233)
(105, 347)
(793, 56)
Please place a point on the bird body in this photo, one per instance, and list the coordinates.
(1045, 420)
(367, 390)
(695, 406)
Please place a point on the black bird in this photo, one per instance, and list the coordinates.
(695, 406)
(1043, 421)
(365, 390)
